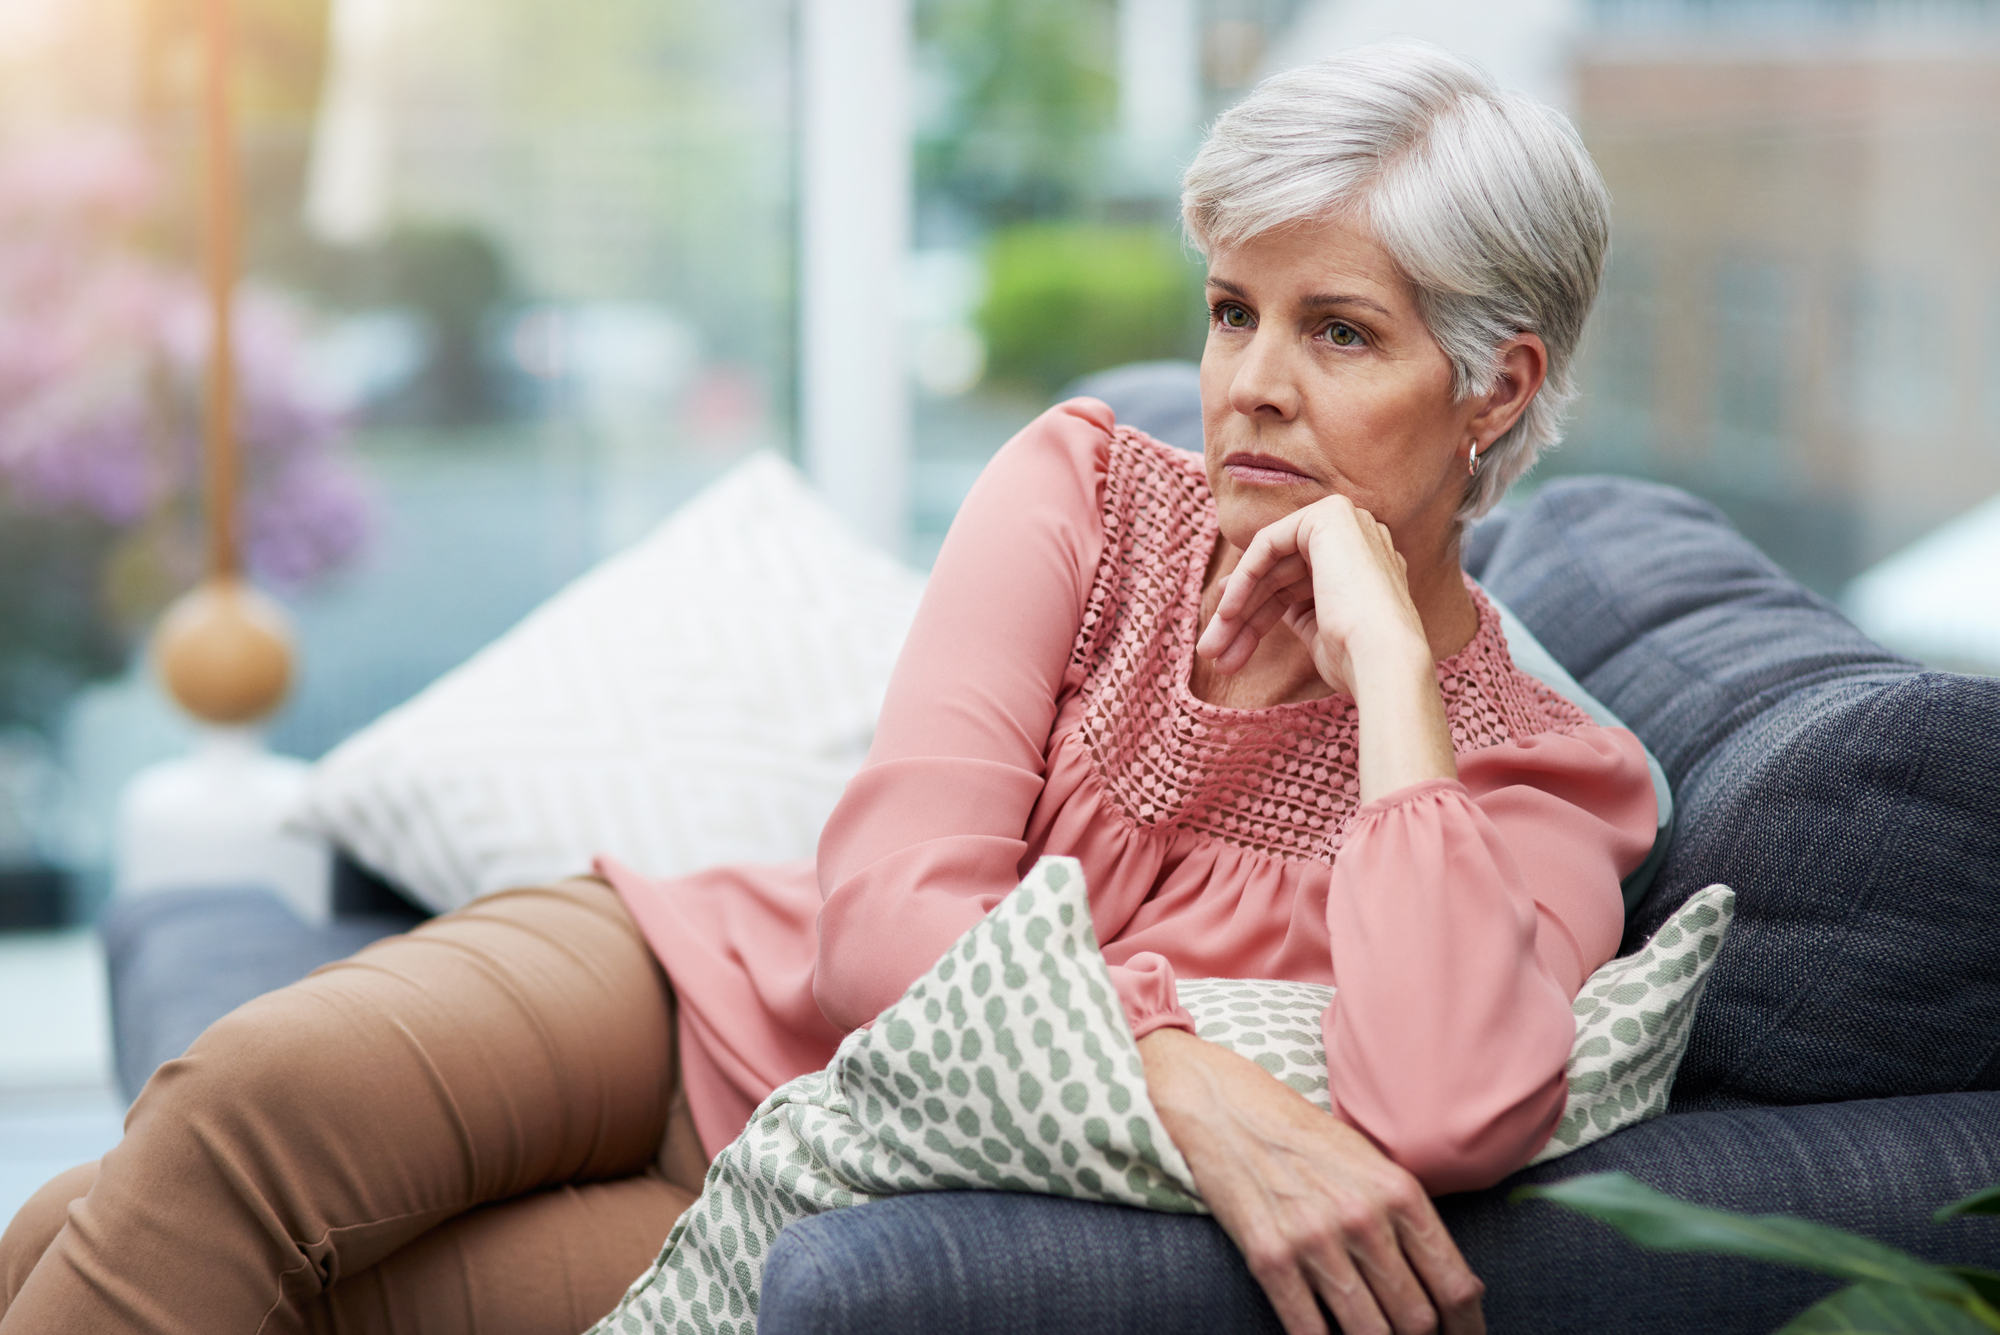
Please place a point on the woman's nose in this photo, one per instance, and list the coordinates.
(1265, 381)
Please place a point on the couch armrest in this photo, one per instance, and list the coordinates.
(179, 961)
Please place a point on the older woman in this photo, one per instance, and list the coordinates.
(1254, 695)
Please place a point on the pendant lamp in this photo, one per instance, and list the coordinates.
(224, 650)
(220, 818)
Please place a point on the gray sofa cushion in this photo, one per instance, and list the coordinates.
(1162, 399)
(1851, 799)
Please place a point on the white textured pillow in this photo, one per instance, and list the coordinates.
(700, 698)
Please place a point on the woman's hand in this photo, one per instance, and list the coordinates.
(1317, 1211)
(1332, 574)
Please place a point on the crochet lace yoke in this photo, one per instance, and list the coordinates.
(1283, 780)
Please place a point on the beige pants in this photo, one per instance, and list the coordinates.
(474, 1127)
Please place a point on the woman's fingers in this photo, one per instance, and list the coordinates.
(1292, 1297)
(1230, 644)
(1365, 1279)
(1360, 1273)
(1319, 1213)
(1246, 594)
(1454, 1290)
(1261, 570)
(1329, 550)
(1273, 561)
(1275, 542)
(1401, 1301)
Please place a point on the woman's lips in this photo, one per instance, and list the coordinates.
(1262, 470)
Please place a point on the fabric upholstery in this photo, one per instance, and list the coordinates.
(933, 1262)
(930, 1264)
(1162, 399)
(1851, 799)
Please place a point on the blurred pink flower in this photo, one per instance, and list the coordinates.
(102, 357)
(98, 178)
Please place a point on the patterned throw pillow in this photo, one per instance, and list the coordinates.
(611, 721)
(1633, 1017)
(1007, 1066)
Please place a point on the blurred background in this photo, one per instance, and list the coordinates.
(522, 276)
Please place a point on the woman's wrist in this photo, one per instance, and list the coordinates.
(1390, 665)
(1169, 1064)
(1186, 1079)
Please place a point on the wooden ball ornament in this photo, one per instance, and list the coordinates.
(224, 651)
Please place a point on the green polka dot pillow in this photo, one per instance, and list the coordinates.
(1007, 1066)
(1632, 1021)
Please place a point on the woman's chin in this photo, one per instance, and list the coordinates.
(1242, 512)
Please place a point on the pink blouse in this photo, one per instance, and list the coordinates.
(1041, 705)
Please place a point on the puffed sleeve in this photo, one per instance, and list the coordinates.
(1464, 917)
(930, 834)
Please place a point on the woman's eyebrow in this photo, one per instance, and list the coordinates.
(1319, 300)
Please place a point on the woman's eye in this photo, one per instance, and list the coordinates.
(1231, 316)
(1343, 335)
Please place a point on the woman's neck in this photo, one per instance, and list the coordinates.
(1450, 619)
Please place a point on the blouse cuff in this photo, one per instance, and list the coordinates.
(1408, 793)
(1145, 985)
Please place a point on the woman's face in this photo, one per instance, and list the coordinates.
(1320, 376)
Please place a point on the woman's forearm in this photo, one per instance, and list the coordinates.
(1448, 1033)
(1405, 737)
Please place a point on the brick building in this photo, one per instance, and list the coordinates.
(1802, 316)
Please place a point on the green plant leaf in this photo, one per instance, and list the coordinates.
(1655, 1220)
(1878, 1308)
(1979, 1202)
(1983, 1282)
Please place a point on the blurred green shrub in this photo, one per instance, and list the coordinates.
(1064, 299)
(1015, 95)
(454, 276)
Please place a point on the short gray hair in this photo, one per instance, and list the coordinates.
(1487, 200)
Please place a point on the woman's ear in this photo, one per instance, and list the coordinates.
(1523, 366)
